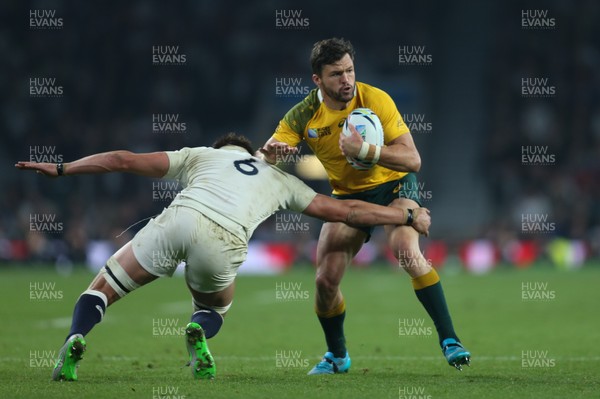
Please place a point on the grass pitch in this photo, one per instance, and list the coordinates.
(532, 334)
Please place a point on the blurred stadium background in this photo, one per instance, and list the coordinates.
(503, 102)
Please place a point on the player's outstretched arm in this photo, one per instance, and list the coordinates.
(272, 148)
(154, 164)
(360, 213)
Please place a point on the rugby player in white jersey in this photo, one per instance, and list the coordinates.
(227, 193)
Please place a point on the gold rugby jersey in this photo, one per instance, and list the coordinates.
(311, 120)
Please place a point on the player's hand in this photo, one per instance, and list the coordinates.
(271, 150)
(44, 168)
(421, 221)
(350, 145)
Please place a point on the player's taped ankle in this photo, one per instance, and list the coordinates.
(117, 278)
(219, 309)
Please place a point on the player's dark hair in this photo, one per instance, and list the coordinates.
(328, 51)
(232, 138)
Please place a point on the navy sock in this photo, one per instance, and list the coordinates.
(210, 320)
(88, 312)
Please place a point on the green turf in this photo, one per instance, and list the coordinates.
(125, 358)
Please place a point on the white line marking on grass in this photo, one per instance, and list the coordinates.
(58, 322)
(6, 359)
(413, 358)
(65, 322)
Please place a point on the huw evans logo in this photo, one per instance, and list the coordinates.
(168, 123)
(290, 291)
(167, 327)
(165, 190)
(416, 191)
(536, 291)
(44, 19)
(290, 223)
(291, 19)
(45, 222)
(537, 19)
(408, 259)
(166, 260)
(413, 327)
(44, 87)
(536, 359)
(288, 156)
(44, 153)
(44, 291)
(413, 392)
(42, 358)
(414, 55)
(290, 359)
(537, 155)
(167, 392)
(167, 55)
(536, 223)
(417, 123)
(290, 87)
(537, 88)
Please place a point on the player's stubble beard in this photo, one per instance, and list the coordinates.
(339, 95)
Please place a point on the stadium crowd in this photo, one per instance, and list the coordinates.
(112, 90)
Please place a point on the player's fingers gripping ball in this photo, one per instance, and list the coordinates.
(369, 127)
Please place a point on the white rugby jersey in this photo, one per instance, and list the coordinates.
(233, 188)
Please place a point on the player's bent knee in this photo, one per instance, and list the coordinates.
(117, 278)
(404, 242)
(327, 283)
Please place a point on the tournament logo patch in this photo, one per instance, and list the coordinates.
(319, 132)
(362, 129)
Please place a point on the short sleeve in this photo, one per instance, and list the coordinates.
(290, 129)
(177, 160)
(391, 120)
(285, 134)
(300, 195)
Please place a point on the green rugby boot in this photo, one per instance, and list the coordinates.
(202, 362)
(69, 356)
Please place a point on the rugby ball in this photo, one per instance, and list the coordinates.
(369, 127)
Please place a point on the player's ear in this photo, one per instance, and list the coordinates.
(316, 79)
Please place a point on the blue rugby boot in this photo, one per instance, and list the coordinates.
(455, 353)
(332, 365)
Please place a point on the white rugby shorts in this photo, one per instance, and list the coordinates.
(212, 254)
